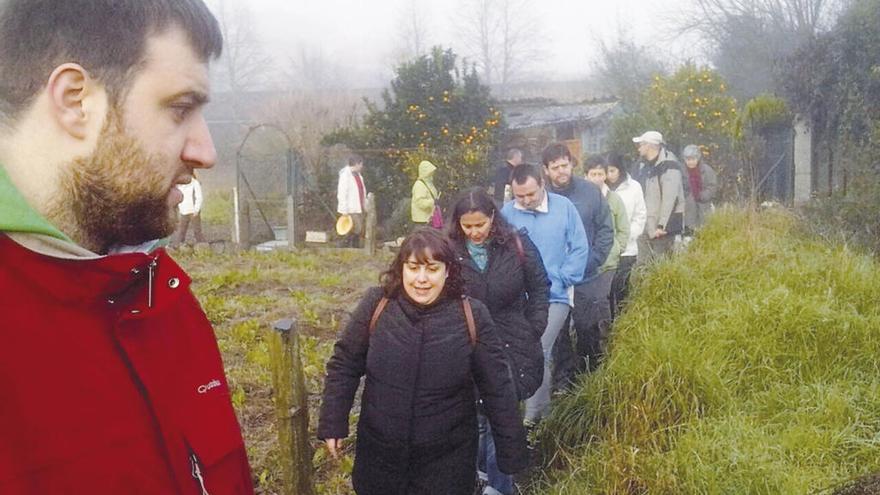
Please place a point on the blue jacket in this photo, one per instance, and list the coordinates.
(560, 238)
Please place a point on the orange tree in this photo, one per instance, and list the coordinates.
(434, 110)
(692, 106)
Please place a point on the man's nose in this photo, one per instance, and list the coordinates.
(199, 151)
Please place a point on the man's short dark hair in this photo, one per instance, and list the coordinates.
(596, 161)
(106, 37)
(355, 159)
(555, 151)
(522, 173)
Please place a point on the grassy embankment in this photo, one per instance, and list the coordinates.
(243, 295)
(748, 364)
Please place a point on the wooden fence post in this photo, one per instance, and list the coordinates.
(370, 226)
(291, 409)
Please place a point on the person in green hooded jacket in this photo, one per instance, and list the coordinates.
(596, 170)
(424, 195)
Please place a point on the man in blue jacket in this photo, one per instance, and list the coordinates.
(555, 227)
(591, 306)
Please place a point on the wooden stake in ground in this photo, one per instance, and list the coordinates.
(370, 226)
(291, 409)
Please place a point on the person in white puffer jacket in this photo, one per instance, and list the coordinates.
(351, 196)
(190, 209)
(630, 191)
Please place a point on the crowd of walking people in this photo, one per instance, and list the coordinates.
(103, 116)
(470, 333)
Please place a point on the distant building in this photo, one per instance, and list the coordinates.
(584, 127)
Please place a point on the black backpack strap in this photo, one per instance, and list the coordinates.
(377, 313)
(469, 316)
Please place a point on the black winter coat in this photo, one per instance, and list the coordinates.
(417, 432)
(516, 289)
(500, 180)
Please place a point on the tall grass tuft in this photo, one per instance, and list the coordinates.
(748, 364)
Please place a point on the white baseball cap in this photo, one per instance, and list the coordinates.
(650, 137)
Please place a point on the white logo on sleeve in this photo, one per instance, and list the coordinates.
(204, 389)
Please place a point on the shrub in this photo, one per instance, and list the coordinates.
(435, 109)
(852, 218)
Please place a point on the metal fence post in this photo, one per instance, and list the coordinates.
(291, 226)
(291, 409)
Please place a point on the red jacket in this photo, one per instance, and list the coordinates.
(110, 382)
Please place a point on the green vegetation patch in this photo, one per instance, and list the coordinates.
(243, 294)
(747, 364)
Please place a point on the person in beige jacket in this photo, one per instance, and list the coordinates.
(660, 176)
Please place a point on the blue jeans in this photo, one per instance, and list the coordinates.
(497, 480)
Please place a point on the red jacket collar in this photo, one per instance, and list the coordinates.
(89, 280)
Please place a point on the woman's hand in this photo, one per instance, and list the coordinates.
(333, 445)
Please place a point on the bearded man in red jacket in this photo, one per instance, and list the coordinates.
(110, 376)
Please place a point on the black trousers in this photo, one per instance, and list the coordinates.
(620, 284)
(591, 316)
(183, 225)
(353, 238)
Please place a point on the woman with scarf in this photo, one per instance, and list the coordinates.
(503, 269)
(703, 186)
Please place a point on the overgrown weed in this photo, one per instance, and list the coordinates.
(747, 364)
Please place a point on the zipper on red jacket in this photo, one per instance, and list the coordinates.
(151, 275)
(197, 473)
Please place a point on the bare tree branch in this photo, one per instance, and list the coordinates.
(502, 35)
(624, 68)
(414, 31)
(311, 69)
(477, 29)
(748, 37)
(244, 63)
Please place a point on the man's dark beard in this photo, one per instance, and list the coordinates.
(561, 187)
(116, 196)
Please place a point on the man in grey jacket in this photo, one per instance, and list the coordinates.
(659, 172)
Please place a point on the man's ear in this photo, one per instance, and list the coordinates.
(69, 89)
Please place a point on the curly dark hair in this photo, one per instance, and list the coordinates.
(424, 243)
(472, 200)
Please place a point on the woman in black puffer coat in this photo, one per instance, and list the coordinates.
(503, 269)
(417, 432)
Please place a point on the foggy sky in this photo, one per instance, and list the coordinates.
(361, 39)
